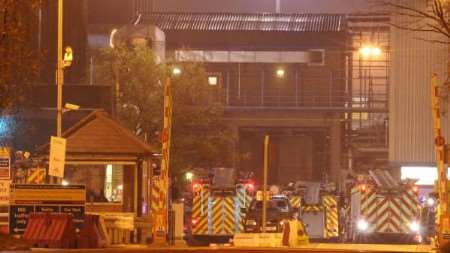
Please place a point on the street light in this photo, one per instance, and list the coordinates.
(189, 176)
(213, 80)
(70, 107)
(370, 51)
(280, 73)
(176, 71)
(62, 62)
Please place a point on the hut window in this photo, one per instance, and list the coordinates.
(104, 182)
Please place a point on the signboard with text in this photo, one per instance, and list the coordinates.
(27, 199)
(57, 156)
(4, 192)
(5, 164)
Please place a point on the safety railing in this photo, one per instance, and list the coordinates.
(304, 100)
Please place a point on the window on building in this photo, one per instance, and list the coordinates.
(104, 182)
(360, 102)
(316, 57)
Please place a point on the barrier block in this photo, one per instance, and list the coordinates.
(52, 230)
(93, 234)
(257, 240)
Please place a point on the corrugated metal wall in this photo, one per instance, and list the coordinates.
(413, 62)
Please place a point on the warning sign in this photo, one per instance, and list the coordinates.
(5, 164)
(36, 175)
(57, 156)
(26, 199)
(4, 192)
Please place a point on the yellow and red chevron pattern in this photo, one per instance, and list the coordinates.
(215, 215)
(296, 201)
(223, 217)
(160, 184)
(312, 208)
(389, 212)
(36, 176)
(243, 196)
(229, 217)
(155, 200)
(331, 216)
(244, 199)
(200, 212)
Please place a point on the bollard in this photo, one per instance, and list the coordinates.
(93, 234)
(286, 232)
(171, 232)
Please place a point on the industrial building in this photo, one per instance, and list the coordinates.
(324, 104)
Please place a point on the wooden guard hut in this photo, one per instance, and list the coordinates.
(112, 162)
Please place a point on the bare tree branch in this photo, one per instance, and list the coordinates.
(430, 19)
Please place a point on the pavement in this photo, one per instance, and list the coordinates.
(313, 247)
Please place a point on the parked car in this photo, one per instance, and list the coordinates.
(278, 209)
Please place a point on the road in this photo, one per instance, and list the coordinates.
(317, 248)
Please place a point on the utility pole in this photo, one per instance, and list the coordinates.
(265, 195)
(59, 70)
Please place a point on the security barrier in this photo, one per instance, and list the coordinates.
(93, 234)
(50, 230)
(119, 226)
(258, 240)
(294, 233)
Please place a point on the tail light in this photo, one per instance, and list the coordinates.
(250, 186)
(196, 186)
(363, 187)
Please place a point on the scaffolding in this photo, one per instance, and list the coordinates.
(367, 125)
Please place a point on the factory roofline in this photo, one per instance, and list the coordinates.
(264, 22)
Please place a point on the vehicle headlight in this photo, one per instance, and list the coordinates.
(250, 222)
(362, 225)
(414, 226)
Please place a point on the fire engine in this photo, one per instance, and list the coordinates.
(318, 208)
(216, 206)
(383, 209)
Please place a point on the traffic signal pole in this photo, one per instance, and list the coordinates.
(160, 183)
(439, 144)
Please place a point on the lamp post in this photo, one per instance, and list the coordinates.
(59, 70)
